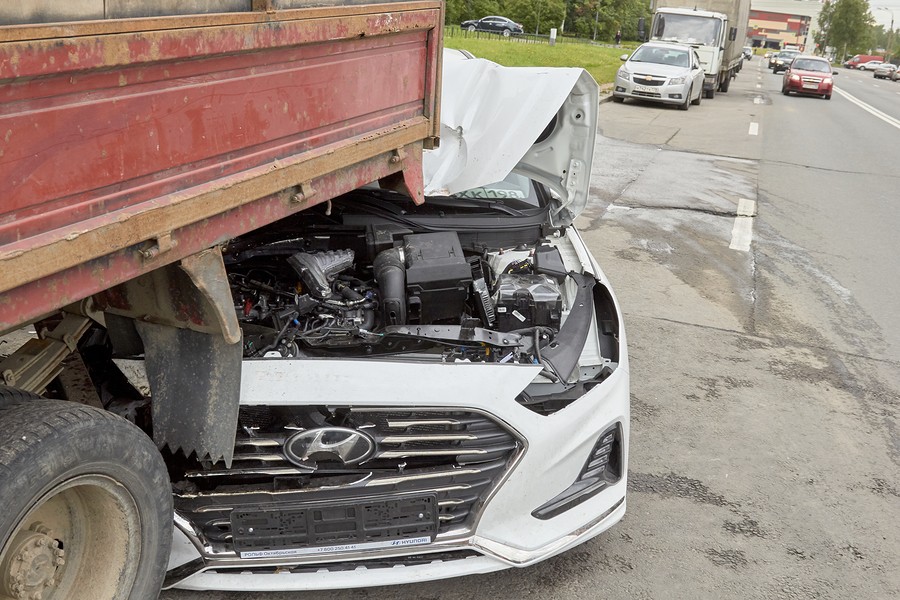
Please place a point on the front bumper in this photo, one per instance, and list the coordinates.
(666, 93)
(555, 449)
(799, 87)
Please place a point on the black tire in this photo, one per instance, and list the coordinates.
(726, 83)
(506, 32)
(710, 94)
(84, 481)
(471, 29)
(828, 96)
(699, 97)
(687, 100)
(618, 99)
(785, 91)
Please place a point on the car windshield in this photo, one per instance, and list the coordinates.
(807, 64)
(661, 56)
(689, 29)
(516, 190)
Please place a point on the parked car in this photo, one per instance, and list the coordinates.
(661, 72)
(447, 380)
(808, 75)
(781, 61)
(895, 76)
(748, 52)
(870, 66)
(885, 71)
(494, 24)
(860, 59)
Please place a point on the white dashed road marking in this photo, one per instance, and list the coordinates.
(754, 129)
(742, 232)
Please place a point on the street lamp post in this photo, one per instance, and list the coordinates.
(891, 34)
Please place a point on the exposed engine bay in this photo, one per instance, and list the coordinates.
(310, 290)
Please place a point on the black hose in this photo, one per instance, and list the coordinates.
(390, 273)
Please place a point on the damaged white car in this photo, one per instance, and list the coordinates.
(442, 388)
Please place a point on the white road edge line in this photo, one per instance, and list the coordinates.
(869, 109)
(754, 129)
(742, 232)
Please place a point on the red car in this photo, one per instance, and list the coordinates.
(809, 75)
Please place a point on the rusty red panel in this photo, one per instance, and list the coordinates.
(92, 150)
(114, 138)
(41, 297)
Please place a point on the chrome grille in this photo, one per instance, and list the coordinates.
(815, 80)
(645, 79)
(458, 456)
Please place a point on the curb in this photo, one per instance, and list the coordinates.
(606, 93)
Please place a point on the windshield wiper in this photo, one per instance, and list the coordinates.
(465, 202)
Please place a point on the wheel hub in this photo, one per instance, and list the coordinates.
(32, 562)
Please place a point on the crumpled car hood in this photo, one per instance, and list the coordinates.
(493, 122)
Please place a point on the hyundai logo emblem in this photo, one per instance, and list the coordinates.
(328, 444)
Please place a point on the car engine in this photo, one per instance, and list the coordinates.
(416, 292)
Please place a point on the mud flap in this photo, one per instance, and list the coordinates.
(196, 381)
(184, 315)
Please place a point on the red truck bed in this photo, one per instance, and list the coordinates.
(128, 144)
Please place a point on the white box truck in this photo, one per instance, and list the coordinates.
(715, 28)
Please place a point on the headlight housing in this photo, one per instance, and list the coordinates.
(622, 74)
(828, 81)
(795, 78)
(677, 80)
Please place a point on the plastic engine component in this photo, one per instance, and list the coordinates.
(438, 277)
(548, 261)
(317, 271)
(523, 301)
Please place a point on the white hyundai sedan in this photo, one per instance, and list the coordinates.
(661, 72)
(430, 390)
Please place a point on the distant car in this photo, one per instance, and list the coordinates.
(808, 75)
(494, 24)
(860, 59)
(870, 66)
(782, 61)
(885, 71)
(748, 52)
(661, 72)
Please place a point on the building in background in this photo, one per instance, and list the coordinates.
(779, 24)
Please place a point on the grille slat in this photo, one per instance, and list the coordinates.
(457, 456)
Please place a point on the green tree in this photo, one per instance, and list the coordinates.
(536, 16)
(850, 27)
(825, 17)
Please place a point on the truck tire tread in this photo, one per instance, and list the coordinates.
(45, 442)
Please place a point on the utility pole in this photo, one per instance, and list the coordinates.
(890, 47)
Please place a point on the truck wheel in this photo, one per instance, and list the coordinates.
(710, 93)
(87, 507)
(726, 83)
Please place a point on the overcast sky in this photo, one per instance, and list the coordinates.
(883, 17)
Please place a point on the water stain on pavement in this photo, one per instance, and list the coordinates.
(672, 485)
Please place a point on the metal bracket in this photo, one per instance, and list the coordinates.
(158, 246)
(305, 192)
(398, 155)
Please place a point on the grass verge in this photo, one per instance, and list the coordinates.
(600, 61)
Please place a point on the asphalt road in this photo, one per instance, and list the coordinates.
(752, 244)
